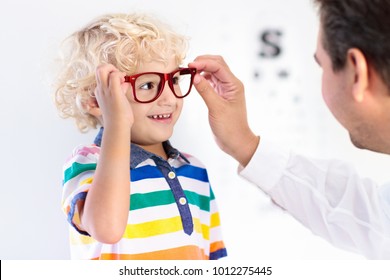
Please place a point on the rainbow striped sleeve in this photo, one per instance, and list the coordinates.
(217, 247)
(77, 178)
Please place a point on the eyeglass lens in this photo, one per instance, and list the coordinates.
(148, 86)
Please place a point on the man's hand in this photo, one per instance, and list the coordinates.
(224, 96)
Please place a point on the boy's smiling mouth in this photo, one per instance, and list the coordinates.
(161, 116)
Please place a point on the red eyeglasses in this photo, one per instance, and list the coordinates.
(148, 86)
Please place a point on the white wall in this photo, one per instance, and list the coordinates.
(284, 103)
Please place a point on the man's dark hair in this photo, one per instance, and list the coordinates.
(362, 24)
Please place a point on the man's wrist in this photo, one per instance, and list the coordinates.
(247, 150)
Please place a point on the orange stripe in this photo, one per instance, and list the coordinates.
(180, 253)
(216, 246)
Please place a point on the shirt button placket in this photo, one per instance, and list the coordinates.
(178, 193)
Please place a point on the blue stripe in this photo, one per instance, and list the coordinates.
(151, 172)
(76, 198)
(218, 254)
(193, 172)
(145, 172)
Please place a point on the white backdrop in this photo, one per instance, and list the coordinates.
(268, 44)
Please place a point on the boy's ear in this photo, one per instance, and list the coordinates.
(93, 107)
(358, 62)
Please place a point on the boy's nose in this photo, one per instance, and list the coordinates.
(167, 95)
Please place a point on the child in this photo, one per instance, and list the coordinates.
(131, 195)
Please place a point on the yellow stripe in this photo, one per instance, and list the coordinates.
(80, 239)
(206, 232)
(163, 226)
(197, 225)
(153, 228)
(86, 181)
(215, 220)
(148, 229)
(202, 228)
(76, 218)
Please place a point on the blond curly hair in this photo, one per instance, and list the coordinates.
(124, 40)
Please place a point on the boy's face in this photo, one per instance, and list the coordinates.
(154, 122)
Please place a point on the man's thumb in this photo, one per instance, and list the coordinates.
(203, 87)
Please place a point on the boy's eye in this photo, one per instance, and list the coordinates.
(175, 80)
(147, 86)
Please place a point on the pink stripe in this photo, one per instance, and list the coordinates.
(85, 151)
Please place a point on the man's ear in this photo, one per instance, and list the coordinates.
(358, 64)
(93, 107)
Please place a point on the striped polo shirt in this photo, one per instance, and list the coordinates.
(173, 213)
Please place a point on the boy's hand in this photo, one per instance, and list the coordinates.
(111, 97)
(105, 211)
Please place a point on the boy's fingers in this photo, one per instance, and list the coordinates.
(103, 73)
(115, 78)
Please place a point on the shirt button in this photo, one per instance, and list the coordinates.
(171, 175)
(182, 200)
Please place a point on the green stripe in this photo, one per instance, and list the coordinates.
(139, 201)
(203, 202)
(76, 169)
(212, 196)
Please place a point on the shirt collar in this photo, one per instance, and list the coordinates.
(139, 155)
